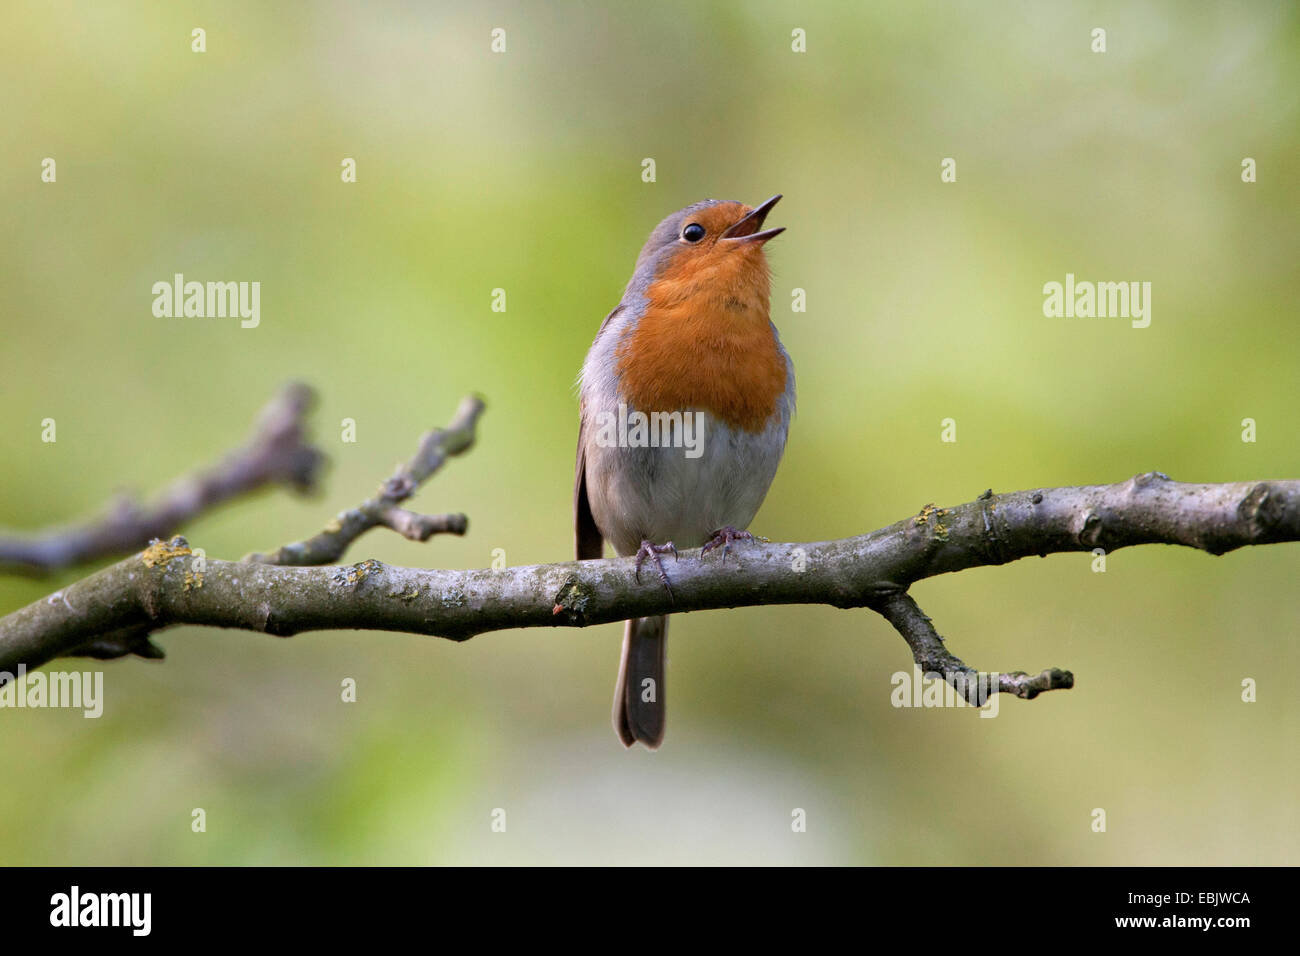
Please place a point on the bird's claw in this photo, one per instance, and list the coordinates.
(723, 538)
(651, 550)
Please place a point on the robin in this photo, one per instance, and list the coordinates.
(685, 403)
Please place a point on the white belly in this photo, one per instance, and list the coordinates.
(661, 494)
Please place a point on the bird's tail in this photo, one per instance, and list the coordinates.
(639, 694)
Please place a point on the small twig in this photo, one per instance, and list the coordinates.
(899, 609)
(383, 509)
(278, 453)
(132, 639)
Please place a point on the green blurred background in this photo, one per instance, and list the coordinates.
(522, 171)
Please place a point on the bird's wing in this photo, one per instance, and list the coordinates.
(587, 539)
(586, 536)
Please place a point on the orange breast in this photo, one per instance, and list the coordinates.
(705, 342)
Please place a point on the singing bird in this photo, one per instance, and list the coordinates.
(691, 336)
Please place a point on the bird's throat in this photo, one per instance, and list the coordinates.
(706, 342)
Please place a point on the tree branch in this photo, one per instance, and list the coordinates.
(383, 509)
(278, 453)
(161, 586)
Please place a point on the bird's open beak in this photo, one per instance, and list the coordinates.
(747, 229)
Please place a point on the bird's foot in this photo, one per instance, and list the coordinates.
(652, 551)
(723, 538)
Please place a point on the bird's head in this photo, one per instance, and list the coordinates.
(716, 242)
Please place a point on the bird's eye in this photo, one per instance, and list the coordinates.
(693, 233)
